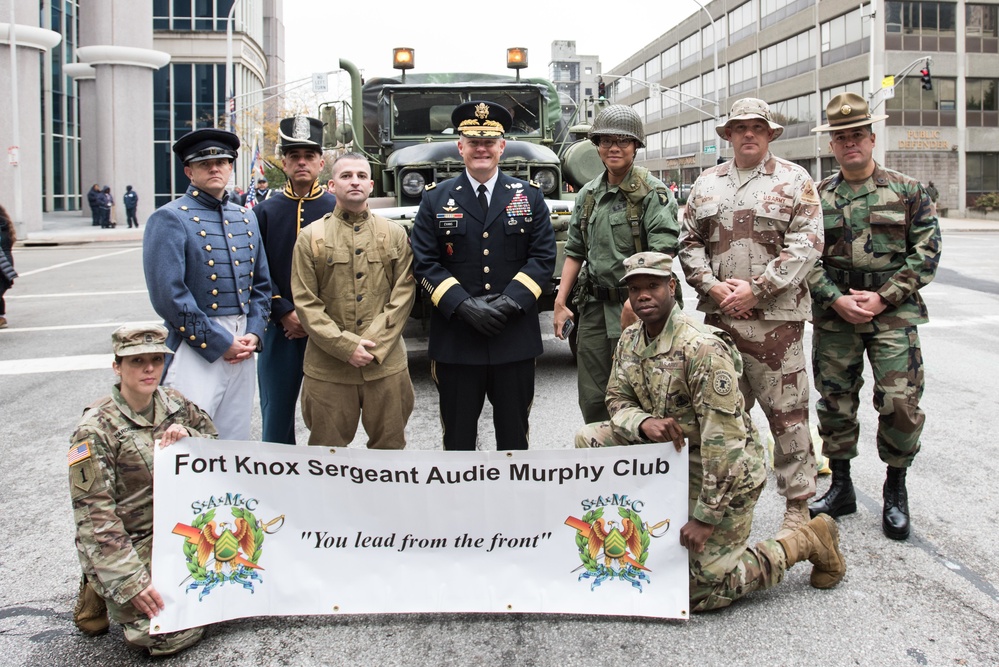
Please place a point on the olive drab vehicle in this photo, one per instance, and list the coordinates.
(403, 125)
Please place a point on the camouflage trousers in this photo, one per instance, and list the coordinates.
(136, 624)
(774, 374)
(728, 568)
(897, 365)
(594, 357)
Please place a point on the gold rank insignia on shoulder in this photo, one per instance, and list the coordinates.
(535, 184)
(430, 186)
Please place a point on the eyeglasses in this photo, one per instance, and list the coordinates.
(620, 142)
(854, 137)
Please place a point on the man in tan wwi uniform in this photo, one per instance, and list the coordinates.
(352, 283)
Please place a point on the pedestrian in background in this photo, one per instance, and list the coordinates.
(752, 232)
(107, 206)
(131, 201)
(882, 247)
(8, 237)
(94, 202)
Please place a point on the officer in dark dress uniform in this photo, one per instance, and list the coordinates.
(484, 249)
(281, 218)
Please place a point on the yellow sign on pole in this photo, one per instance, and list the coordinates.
(888, 87)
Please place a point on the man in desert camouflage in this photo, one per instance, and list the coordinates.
(882, 247)
(751, 233)
(675, 379)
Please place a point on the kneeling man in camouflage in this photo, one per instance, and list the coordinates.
(675, 379)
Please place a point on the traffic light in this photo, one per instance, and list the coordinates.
(925, 78)
(601, 89)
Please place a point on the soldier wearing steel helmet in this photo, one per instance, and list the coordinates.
(752, 231)
(675, 379)
(622, 211)
(111, 486)
(882, 247)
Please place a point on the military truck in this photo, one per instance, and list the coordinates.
(404, 127)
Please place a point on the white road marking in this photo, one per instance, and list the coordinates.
(76, 261)
(74, 295)
(81, 362)
(66, 327)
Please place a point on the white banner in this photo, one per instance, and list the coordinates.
(252, 529)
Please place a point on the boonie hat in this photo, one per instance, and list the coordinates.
(648, 264)
(749, 108)
(206, 144)
(131, 339)
(481, 119)
(848, 110)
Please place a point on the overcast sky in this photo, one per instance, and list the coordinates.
(465, 36)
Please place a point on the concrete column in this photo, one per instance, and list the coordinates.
(85, 77)
(116, 37)
(20, 101)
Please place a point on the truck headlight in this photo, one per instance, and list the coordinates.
(547, 179)
(412, 183)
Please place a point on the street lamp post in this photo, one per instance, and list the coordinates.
(230, 93)
(714, 51)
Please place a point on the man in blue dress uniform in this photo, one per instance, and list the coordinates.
(281, 218)
(484, 249)
(207, 278)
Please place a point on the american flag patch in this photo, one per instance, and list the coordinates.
(80, 453)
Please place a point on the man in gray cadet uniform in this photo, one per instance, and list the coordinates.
(207, 278)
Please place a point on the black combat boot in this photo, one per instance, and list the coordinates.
(840, 499)
(895, 517)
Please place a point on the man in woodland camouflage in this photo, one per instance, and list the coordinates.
(675, 379)
(882, 246)
(752, 231)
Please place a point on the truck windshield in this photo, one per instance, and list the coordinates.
(429, 113)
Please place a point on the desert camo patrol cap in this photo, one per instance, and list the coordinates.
(649, 264)
(131, 339)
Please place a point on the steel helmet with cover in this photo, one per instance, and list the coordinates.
(618, 120)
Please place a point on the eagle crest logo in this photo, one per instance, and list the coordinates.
(612, 549)
(226, 552)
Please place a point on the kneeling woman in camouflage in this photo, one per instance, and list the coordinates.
(111, 484)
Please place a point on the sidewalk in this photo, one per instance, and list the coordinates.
(70, 227)
(73, 227)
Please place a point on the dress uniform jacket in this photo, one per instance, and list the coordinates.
(281, 218)
(459, 254)
(203, 259)
(882, 238)
(767, 230)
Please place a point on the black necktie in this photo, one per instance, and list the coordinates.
(483, 202)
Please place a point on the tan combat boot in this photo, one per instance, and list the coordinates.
(817, 542)
(795, 516)
(91, 613)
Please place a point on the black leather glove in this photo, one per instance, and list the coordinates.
(505, 305)
(483, 317)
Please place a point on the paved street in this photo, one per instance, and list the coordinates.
(930, 601)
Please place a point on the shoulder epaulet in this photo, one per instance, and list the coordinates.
(430, 186)
(534, 184)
